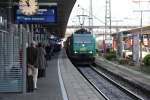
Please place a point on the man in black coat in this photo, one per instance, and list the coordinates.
(31, 66)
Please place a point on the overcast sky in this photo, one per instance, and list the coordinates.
(123, 10)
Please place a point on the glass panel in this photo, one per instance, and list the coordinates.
(83, 39)
(10, 64)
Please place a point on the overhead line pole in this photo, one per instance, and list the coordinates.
(141, 25)
(91, 16)
(141, 31)
(107, 34)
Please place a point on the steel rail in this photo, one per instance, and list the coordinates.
(105, 97)
(124, 89)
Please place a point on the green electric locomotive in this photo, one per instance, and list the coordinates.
(81, 47)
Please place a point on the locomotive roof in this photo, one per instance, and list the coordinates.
(82, 31)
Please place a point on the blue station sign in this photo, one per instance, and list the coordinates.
(45, 14)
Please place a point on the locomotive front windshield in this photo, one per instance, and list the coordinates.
(83, 39)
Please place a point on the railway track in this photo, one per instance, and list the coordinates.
(137, 89)
(107, 87)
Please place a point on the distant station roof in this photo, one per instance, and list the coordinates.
(64, 8)
(145, 30)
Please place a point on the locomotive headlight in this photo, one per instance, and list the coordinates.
(83, 45)
(75, 52)
(90, 52)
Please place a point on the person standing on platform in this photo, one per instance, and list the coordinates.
(48, 50)
(41, 61)
(32, 70)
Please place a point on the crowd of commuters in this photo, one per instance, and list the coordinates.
(37, 56)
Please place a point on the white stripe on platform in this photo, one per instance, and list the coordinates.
(63, 90)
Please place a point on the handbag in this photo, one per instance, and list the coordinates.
(30, 69)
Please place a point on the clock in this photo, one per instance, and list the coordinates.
(28, 7)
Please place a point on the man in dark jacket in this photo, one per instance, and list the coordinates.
(32, 71)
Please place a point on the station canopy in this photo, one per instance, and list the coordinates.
(64, 8)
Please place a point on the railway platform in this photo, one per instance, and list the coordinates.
(62, 82)
(137, 77)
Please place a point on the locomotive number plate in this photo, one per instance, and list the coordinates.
(83, 49)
